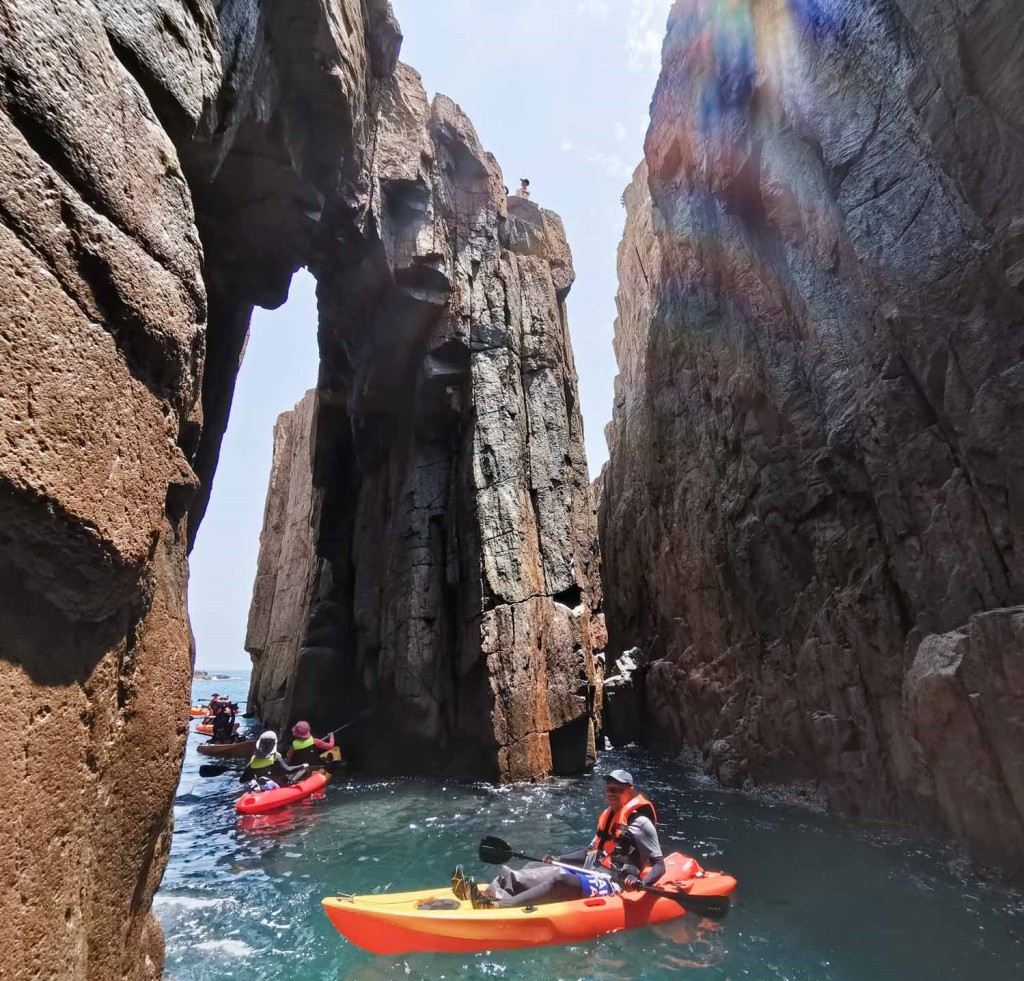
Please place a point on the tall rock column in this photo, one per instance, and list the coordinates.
(811, 519)
(454, 569)
(163, 164)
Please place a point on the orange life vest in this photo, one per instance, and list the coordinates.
(613, 822)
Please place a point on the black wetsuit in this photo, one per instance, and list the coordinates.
(224, 727)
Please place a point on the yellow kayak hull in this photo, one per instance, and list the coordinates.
(396, 923)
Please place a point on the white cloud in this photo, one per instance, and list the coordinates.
(594, 8)
(620, 133)
(612, 164)
(645, 28)
(565, 146)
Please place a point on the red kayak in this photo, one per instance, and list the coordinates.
(269, 800)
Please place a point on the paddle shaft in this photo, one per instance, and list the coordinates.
(351, 722)
(712, 905)
(600, 873)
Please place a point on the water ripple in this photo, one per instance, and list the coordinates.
(820, 898)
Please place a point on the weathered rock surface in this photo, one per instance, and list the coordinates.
(284, 573)
(812, 517)
(166, 166)
(453, 571)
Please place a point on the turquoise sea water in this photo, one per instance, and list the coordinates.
(820, 899)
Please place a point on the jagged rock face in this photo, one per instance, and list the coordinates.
(453, 575)
(812, 514)
(167, 164)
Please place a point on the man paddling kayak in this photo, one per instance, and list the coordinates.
(626, 842)
(267, 763)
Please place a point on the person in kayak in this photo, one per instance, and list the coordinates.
(223, 723)
(626, 843)
(305, 747)
(267, 763)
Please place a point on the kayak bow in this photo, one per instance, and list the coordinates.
(260, 802)
(242, 748)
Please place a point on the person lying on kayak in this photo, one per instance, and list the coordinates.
(305, 747)
(267, 763)
(626, 842)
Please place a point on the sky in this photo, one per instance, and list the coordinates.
(558, 91)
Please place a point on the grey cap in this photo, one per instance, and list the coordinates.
(620, 776)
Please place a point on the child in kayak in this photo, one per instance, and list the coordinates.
(267, 763)
(305, 747)
(626, 842)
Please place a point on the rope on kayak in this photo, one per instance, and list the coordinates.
(379, 899)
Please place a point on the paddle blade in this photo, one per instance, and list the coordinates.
(494, 851)
(713, 907)
(212, 770)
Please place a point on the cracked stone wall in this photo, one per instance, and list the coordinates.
(167, 165)
(452, 574)
(811, 521)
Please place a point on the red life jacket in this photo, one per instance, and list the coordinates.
(613, 822)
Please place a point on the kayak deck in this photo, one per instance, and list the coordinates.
(206, 728)
(236, 750)
(395, 923)
(269, 800)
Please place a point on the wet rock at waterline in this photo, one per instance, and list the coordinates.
(811, 516)
(167, 166)
(440, 564)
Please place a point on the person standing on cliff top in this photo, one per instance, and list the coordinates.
(524, 189)
(626, 843)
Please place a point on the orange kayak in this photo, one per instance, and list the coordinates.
(206, 729)
(269, 800)
(198, 711)
(397, 923)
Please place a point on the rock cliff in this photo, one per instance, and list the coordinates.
(451, 575)
(167, 165)
(812, 518)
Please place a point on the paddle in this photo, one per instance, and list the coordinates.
(351, 722)
(495, 851)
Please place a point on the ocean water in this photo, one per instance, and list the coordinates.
(819, 898)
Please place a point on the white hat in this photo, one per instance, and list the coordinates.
(267, 737)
